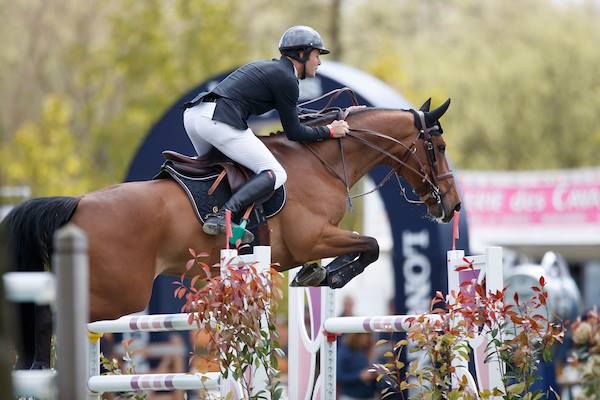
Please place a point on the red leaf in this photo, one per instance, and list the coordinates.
(542, 281)
(189, 264)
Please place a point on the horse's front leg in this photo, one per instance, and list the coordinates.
(353, 253)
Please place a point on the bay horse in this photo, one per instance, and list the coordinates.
(139, 230)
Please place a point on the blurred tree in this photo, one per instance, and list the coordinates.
(120, 63)
(522, 79)
(44, 155)
(155, 52)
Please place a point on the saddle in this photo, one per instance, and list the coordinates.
(203, 181)
(213, 162)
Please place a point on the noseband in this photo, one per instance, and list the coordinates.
(426, 136)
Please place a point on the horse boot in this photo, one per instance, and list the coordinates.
(311, 274)
(257, 188)
(342, 269)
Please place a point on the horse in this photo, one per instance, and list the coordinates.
(139, 230)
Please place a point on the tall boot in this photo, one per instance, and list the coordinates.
(257, 188)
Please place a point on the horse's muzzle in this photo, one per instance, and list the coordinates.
(448, 215)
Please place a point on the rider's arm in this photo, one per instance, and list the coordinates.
(286, 98)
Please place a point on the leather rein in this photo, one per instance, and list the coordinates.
(424, 135)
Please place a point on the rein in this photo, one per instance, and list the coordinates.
(425, 134)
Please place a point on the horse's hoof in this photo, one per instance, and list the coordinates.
(310, 275)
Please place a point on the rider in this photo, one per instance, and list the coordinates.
(219, 118)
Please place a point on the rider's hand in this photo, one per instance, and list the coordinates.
(338, 129)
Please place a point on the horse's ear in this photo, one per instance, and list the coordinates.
(432, 116)
(425, 106)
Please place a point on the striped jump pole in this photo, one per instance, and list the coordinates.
(99, 384)
(147, 382)
(307, 344)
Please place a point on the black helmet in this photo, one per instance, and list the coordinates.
(300, 38)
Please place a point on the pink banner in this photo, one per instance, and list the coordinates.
(537, 204)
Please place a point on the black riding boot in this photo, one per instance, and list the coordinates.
(257, 188)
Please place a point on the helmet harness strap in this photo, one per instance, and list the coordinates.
(302, 59)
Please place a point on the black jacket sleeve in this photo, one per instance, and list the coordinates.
(286, 99)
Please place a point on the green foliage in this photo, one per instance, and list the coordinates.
(518, 335)
(112, 366)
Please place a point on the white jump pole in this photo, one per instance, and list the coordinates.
(176, 381)
(383, 323)
(36, 287)
(39, 384)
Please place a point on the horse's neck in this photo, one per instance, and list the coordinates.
(358, 158)
(361, 158)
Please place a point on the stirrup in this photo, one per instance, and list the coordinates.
(215, 225)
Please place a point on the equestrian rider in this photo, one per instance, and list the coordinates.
(219, 118)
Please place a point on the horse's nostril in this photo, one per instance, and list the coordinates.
(457, 208)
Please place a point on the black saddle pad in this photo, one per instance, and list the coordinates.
(196, 188)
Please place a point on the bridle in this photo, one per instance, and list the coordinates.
(424, 135)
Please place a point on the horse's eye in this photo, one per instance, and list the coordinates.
(442, 148)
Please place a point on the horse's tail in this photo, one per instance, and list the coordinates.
(30, 228)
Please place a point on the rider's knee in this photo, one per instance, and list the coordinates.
(280, 177)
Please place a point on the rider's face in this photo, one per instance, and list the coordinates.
(313, 63)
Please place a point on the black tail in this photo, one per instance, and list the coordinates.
(29, 229)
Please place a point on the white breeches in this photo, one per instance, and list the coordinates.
(242, 146)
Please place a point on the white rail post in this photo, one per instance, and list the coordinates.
(488, 367)
(72, 309)
(257, 377)
(308, 344)
(328, 348)
(93, 367)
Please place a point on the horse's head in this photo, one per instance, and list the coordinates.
(415, 149)
(425, 166)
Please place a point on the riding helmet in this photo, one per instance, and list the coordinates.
(301, 37)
